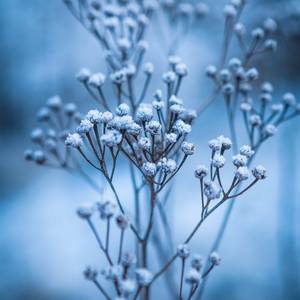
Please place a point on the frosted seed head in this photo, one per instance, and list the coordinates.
(245, 106)
(225, 142)
(265, 97)
(158, 105)
(143, 45)
(148, 68)
(181, 69)
(240, 29)
(175, 100)
(144, 113)
(246, 151)
(83, 75)
(181, 128)
(85, 126)
(242, 173)
(144, 143)
(211, 71)
(43, 114)
(106, 208)
(54, 103)
(39, 157)
(157, 95)
(123, 109)
(188, 148)
(193, 276)
(167, 165)
(259, 172)
(171, 138)
(270, 45)
(225, 75)
(289, 99)
(111, 138)
(270, 25)
(258, 33)
(230, 11)
(267, 87)
(240, 160)
(106, 117)
(215, 258)
(70, 109)
(176, 108)
(85, 211)
(276, 108)
(122, 221)
(143, 277)
(37, 135)
(197, 262)
(28, 155)
(183, 251)
(149, 169)
(134, 129)
(214, 145)
(74, 140)
(252, 74)
(211, 190)
(234, 64)
(153, 127)
(124, 44)
(270, 130)
(201, 171)
(228, 89)
(201, 9)
(94, 116)
(188, 115)
(255, 120)
(96, 80)
(130, 70)
(218, 161)
(118, 77)
(169, 77)
(127, 287)
(128, 260)
(50, 145)
(174, 60)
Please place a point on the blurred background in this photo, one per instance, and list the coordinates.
(43, 245)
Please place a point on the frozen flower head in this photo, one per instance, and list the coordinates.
(258, 33)
(148, 68)
(143, 277)
(96, 80)
(83, 75)
(201, 172)
(171, 138)
(266, 97)
(43, 114)
(267, 87)
(37, 135)
(201, 9)
(225, 76)
(230, 11)
(54, 103)
(175, 100)
(121, 122)
(181, 128)
(240, 29)
(90, 274)
(122, 109)
(127, 287)
(228, 89)
(111, 138)
(74, 140)
(240, 160)
(218, 161)
(289, 99)
(215, 258)
(255, 120)
(149, 169)
(158, 104)
(70, 109)
(197, 262)
(144, 143)
(124, 44)
(153, 127)
(143, 45)
(259, 172)
(270, 130)
(28, 154)
(122, 221)
(183, 251)
(215, 145)
(188, 148)
(225, 142)
(181, 69)
(242, 173)
(118, 77)
(144, 113)
(85, 126)
(245, 107)
(193, 276)
(211, 71)
(174, 60)
(188, 115)
(270, 25)
(270, 45)
(167, 165)
(157, 95)
(130, 70)
(234, 64)
(276, 108)
(176, 108)
(94, 116)
(133, 129)
(211, 190)
(106, 117)
(85, 211)
(169, 77)
(246, 151)
(252, 74)
(39, 157)
(106, 208)
(128, 260)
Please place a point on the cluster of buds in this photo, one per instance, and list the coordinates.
(55, 120)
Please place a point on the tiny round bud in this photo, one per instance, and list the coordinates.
(259, 172)
(183, 251)
(215, 258)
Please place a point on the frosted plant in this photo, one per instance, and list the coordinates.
(153, 137)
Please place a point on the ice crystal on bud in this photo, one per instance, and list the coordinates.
(183, 251)
(74, 140)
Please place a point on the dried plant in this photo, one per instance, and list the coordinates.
(154, 139)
